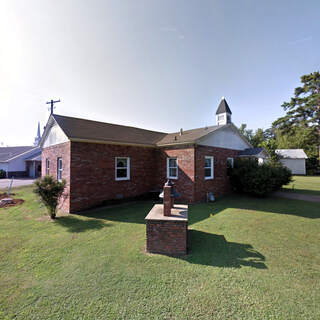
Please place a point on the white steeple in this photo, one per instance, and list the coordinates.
(223, 114)
(38, 137)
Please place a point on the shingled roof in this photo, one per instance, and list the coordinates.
(250, 152)
(88, 130)
(223, 107)
(82, 129)
(188, 136)
(7, 153)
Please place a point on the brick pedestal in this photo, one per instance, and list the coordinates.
(167, 234)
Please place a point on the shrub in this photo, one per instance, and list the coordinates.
(49, 190)
(312, 166)
(249, 177)
(2, 174)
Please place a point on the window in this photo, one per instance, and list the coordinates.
(208, 167)
(59, 168)
(47, 167)
(172, 168)
(229, 163)
(221, 117)
(122, 168)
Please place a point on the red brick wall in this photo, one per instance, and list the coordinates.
(93, 173)
(167, 237)
(53, 153)
(91, 179)
(186, 164)
(220, 184)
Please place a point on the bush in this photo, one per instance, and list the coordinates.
(2, 174)
(312, 166)
(249, 177)
(50, 190)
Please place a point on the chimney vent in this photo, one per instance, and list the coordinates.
(181, 132)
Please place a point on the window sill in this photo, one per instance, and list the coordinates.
(208, 178)
(173, 178)
(122, 179)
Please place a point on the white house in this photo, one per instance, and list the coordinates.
(293, 159)
(22, 161)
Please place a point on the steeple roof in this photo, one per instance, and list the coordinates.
(223, 107)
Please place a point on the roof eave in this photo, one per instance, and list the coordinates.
(176, 144)
(112, 142)
(21, 154)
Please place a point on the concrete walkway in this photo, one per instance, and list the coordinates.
(4, 183)
(297, 196)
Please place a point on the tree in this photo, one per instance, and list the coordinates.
(50, 190)
(255, 138)
(246, 132)
(271, 146)
(299, 138)
(303, 110)
(258, 138)
(300, 127)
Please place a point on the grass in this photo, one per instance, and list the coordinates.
(253, 259)
(304, 185)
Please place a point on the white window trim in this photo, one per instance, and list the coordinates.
(59, 169)
(47, 166)
(211, 167)
(168, 169)
(232, 161)
(128, 169)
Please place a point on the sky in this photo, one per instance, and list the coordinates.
(160, 65)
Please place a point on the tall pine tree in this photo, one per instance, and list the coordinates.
(303, 110)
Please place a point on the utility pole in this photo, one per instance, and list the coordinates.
(52, 103)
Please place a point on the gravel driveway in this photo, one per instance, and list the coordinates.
(4, 183)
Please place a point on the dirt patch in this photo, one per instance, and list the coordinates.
(47, 218)
(5, 195)
(15, 202)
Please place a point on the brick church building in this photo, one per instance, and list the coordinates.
(103, 161)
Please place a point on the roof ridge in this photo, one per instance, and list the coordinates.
(199, 128)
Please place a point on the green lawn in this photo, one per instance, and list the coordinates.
(253, 259)
(304, 184)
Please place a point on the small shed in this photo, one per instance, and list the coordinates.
(293, 159)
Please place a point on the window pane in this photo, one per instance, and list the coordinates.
(172, 163)
(60, 163)
(121, 163)
(173, 172)
(121, 173)
(208, 162)
(207, 172)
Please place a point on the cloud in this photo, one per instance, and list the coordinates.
(176, 31)
(301, 40)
